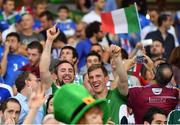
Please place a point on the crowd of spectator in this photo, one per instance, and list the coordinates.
(59, 67)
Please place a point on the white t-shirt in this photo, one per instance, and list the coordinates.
(91, 17)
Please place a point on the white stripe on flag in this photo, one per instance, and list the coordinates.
(120, 21)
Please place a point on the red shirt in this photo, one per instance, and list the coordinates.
(140, 99)
(34, 70)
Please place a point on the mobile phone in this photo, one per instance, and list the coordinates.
(140, 59)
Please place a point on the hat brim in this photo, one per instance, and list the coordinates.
(103, 105)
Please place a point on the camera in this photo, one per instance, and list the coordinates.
(140, 59)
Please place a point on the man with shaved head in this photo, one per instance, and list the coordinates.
(27, 35)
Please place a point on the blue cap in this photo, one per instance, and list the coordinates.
(18, 18)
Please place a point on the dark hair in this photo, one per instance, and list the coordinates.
(74, 52)
(149, 115)
(35, 45)
(61, 37)
(92, 28)
(5, 1)
(93, 53)
(20, 81)
(63, 7)
(158, 40)
(97, 44)
(87, 4)
(97, 66)
(175, 57)
(62, 62)
(47, 103)
(124, 54)
(3, 106)
(38, 2)
(48, 15)
(162, 18)
(14, 34)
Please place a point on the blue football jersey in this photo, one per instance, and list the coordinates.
(15, 62)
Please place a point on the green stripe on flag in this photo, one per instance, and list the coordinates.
(132, 19)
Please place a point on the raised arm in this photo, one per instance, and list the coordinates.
(46, 58)
(139, 46)
(4, 59)
(36, 100)
(120, 70)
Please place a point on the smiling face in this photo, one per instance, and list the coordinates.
(65, 73)
(98, 80)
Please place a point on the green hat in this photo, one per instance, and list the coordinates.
(72, 101)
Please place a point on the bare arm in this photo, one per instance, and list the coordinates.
(46, 58)
(4, 59)
(135, 50)
(120, 70)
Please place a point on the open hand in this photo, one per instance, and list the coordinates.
(37, 98)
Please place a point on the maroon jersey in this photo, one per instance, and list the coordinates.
(140, 99)
(34, 70)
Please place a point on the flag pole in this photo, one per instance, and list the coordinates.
(138, 20)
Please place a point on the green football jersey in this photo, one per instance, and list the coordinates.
(115, 100)
(174, 117)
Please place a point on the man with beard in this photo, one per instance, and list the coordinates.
(12, 61)
(156, 50)
(34, 51)
(94, 15)
(140, 99)
(64, 70)
(94, 35)
(161, 34)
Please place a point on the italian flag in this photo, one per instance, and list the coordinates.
(123, 20)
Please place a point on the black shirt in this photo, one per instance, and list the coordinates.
(168, 43)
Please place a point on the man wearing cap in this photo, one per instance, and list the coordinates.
(77, 106)
(98, 77)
